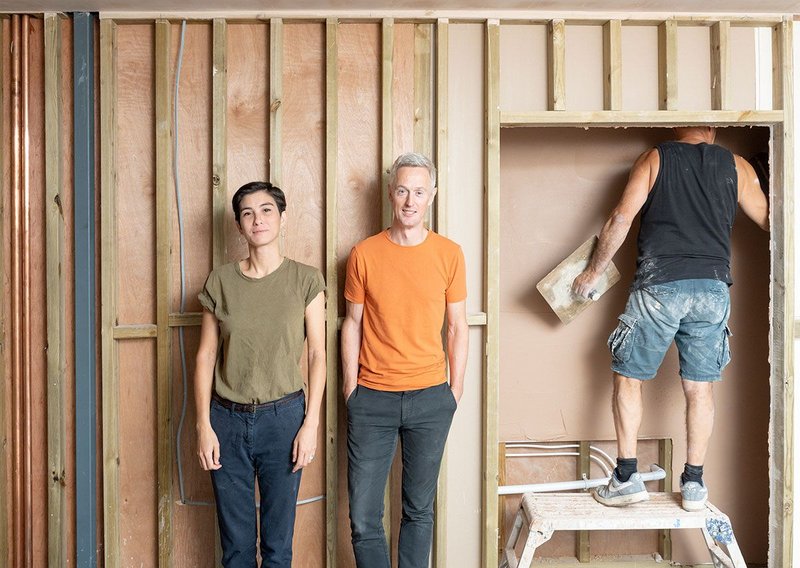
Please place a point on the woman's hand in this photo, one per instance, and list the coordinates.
(208, 448)
(304, 446)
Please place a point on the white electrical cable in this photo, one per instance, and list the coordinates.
(595, 459)
(179, 209)
(654, 474)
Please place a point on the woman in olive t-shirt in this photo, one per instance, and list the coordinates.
(255, 422)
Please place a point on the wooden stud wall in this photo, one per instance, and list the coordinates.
(163, 106)
(490, 532)
(782, 340)
(337, 242)
(56, 301)
(332, 394)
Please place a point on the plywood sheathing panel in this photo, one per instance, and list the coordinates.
(303, 161)
(38, 292)
(192, 525)
(248, 118)
(135, 174)
(580, 175)
(583, 63)
(135, 194)
(137, 449)
(694, 67)
(359, 188)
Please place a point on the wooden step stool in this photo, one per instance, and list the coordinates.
(544, 513)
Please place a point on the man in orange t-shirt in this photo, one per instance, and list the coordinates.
(400, 284)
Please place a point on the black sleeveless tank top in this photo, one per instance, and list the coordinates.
(687, 219)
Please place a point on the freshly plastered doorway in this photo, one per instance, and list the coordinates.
(558, 185)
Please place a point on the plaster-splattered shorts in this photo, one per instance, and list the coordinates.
(692, 312)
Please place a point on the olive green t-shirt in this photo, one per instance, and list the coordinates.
(261, 329)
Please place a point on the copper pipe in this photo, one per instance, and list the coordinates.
(16, 290)
(26, 289)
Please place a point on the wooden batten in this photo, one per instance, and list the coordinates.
(556, 66)
(108, 292)
(423, 89)
(492, 291)
(275, 101)
(612, 65)
(442, 53)
(219, 146)
(332, 277)
(782, 309)
(163, 107)
(387, 122)
(57, 521)
(5, 547)
(641, 118)
(668, 65)
(582, 546)
(186, 319)
(665, 486)
(440, 205)
(142, 331)
(720, 65)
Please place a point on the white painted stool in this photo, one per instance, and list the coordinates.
(544, 513)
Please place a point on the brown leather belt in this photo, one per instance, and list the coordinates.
(244, 407)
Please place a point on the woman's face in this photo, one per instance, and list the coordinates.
(259, 220)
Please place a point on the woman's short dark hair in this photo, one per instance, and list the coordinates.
(253, 187)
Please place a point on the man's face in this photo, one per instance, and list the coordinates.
(411, 196)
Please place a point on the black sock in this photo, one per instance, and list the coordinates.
(625, 468)
(692, 473)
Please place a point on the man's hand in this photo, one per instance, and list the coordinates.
(584, 284)
(348, 389)
(457, 392)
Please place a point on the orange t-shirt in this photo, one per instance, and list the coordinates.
(404, 290)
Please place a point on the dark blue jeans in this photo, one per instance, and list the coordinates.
(256, 445)
(375, 420)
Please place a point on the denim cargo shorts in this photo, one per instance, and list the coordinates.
(692, 312)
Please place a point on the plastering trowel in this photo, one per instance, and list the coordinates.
(556, 287)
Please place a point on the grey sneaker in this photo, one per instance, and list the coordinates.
(619, 494)
(693, 496)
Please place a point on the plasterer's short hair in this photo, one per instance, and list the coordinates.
(412, 160)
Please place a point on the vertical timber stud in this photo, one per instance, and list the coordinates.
(423, 96)
(612, 65)
(163, 289)
(275, 100)
(85, 348)
(332, 277)
(501, 499)
(219, 150)
(668, 65)
(583, 549)
(440, 204)
(56, 302)
(492, 291)
(665, 485)
(556, 79)
(781, 330)
(108, 290)
(720, 65)
(387, 153)
(387, 116)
